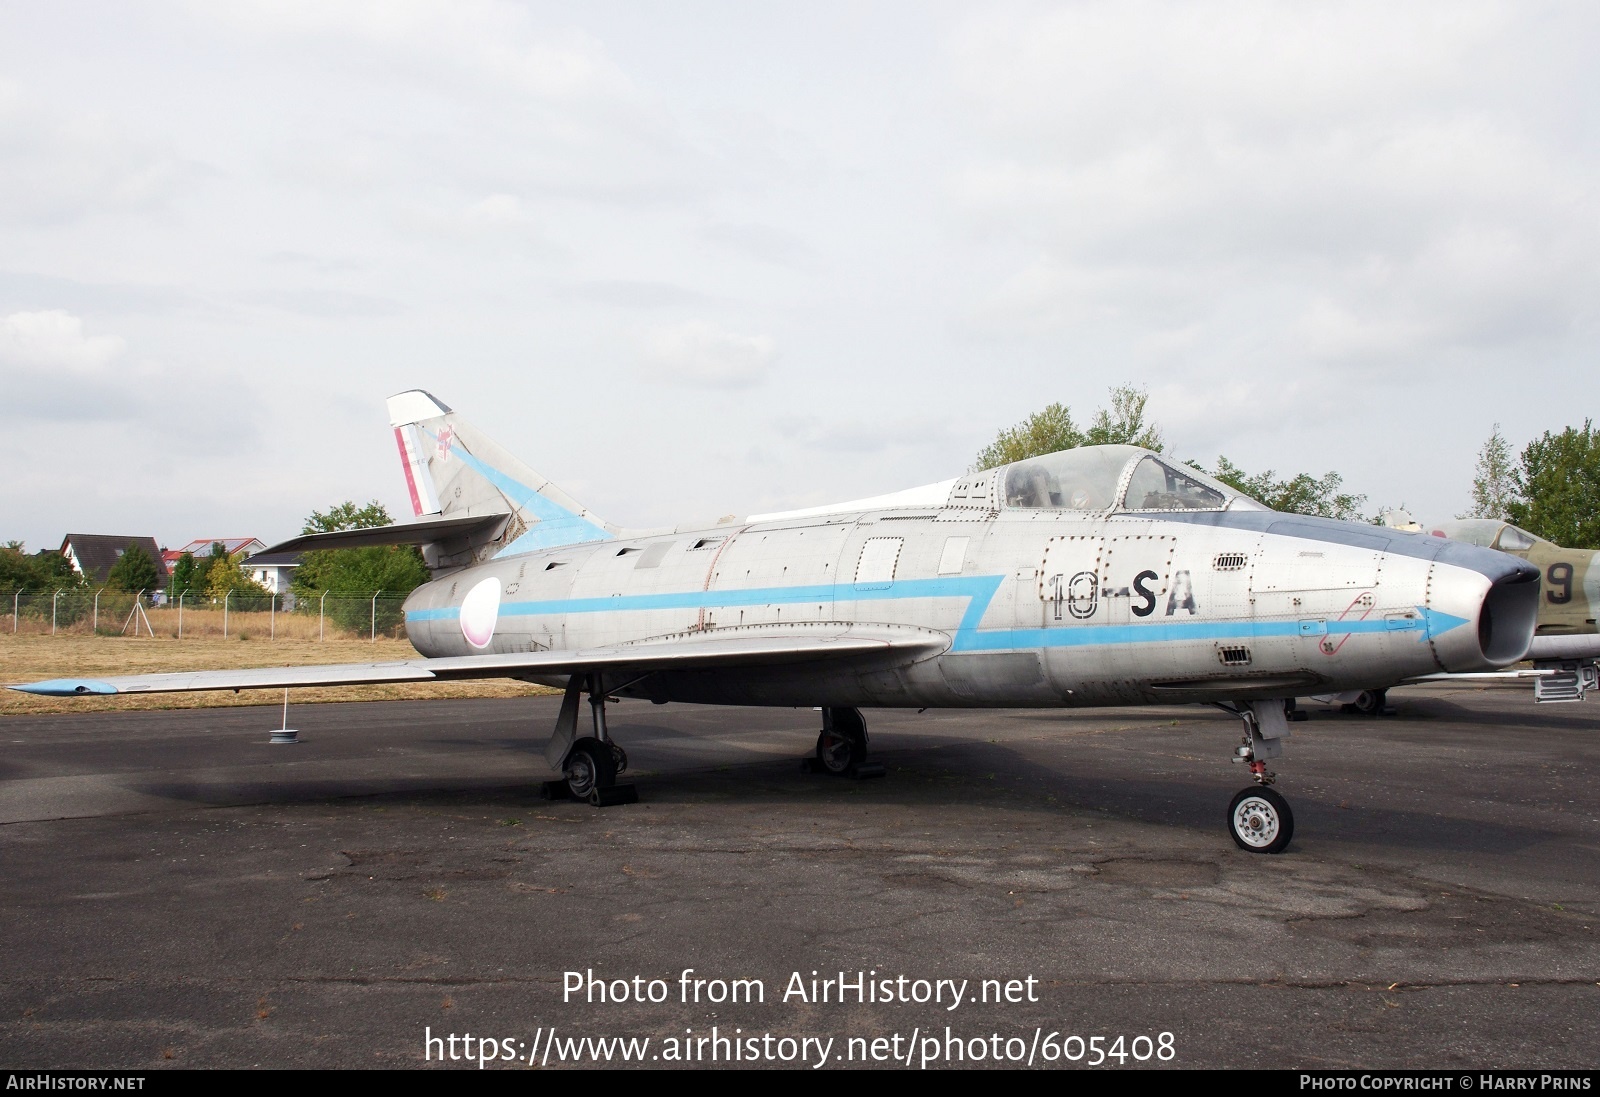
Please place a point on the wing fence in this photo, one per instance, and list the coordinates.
(202, 614)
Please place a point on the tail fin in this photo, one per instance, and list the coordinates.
(453, 470)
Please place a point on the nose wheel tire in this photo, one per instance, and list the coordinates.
(590, 766)
(1260, 820)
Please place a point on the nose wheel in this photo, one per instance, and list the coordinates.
(1260, 820)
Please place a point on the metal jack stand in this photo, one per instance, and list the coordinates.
(285, 735)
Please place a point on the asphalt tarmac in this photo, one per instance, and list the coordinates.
(178, 892)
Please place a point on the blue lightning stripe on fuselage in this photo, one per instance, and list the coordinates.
(980, 591)
(1429, 622)
(556, 527)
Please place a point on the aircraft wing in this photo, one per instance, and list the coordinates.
(731, 648)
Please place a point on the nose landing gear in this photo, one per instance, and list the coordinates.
(1259, 818)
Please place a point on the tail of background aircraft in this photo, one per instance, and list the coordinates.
(455, 471)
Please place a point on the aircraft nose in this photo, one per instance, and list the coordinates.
(1496, 593)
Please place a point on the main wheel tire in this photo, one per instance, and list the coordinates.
(1260, 820)
(1370, 702)
(838, 752)
(590, 766)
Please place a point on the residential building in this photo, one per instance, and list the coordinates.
(95, 554)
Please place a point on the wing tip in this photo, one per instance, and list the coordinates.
(67, 687)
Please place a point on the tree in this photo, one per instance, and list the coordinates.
(187, 574)
(1042, 432)
(1124, 423)
(1052, 429)
(396, 570)
(17, 571)
(1302, 494)
(347, 515)
(41, 571)
(1494, 485)
(134, 570)
(55, 570)
(1558, 487)
(226, 580)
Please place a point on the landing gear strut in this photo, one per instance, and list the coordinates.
(1258, 817)
(842, 746)
(589, 764)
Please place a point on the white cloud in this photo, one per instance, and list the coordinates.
(474, 40)
(1237, 193)
(61, 167)
(50, 343)
(702, 355)
(1297, 224)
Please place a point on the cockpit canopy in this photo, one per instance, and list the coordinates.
(1103, 478)
(1487, 533)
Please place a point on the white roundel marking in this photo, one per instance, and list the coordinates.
(479, 611)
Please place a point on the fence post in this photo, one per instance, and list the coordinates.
(272, 625)
(182, 594)
(321, 603)
(375, 594)
(53, 601)
(16, 601)
(225, 596)
(94, 625)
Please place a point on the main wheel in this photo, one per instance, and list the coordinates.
(1260, 820)
(838, 752)
(1370, 702)
(590, 766)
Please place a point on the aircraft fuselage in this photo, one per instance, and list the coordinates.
(1041, 607)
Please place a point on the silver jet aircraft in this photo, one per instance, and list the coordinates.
(1096, 576)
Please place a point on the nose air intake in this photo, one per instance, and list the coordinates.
(1509, 615)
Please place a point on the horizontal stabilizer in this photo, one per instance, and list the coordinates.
(735, 648)
(474, 529)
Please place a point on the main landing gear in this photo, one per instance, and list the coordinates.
(590, 764)
(1258, 817)
(842, 747)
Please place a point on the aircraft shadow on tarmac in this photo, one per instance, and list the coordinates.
(923, 771)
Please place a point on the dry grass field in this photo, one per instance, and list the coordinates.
(27, 658)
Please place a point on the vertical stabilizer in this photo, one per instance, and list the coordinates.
(453, 470)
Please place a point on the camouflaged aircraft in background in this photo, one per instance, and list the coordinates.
(1096, 576)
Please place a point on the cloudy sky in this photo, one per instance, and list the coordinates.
(693, 259)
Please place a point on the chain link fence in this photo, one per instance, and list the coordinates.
(190, 614)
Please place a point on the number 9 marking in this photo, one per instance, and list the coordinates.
(1559, 575)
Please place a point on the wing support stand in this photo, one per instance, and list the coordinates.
(590, 764)
(285, 735)
(1259, 818)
